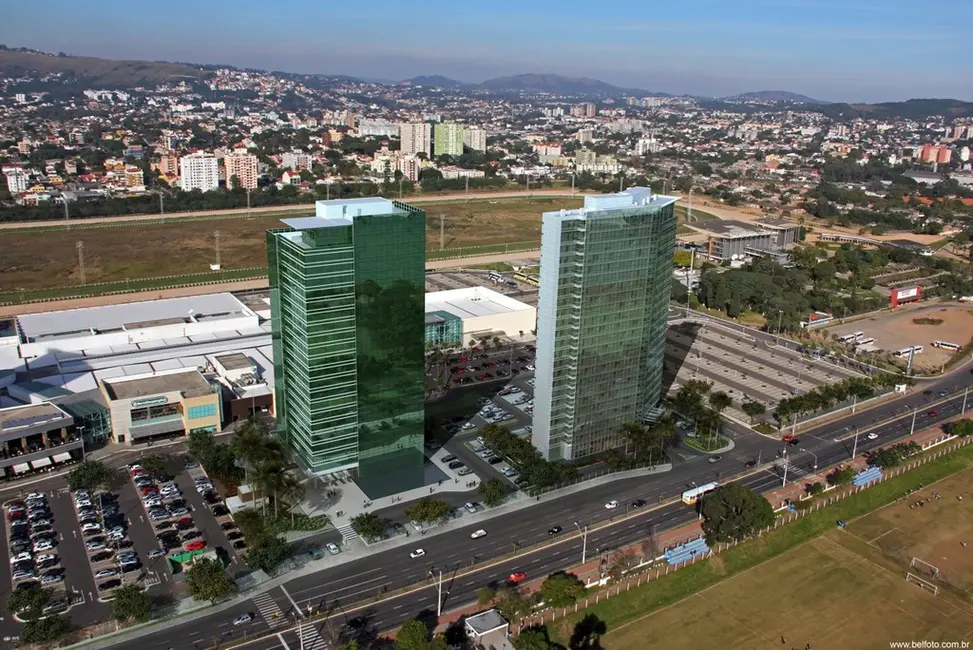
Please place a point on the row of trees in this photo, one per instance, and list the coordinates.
(526, 458)
(829, 395)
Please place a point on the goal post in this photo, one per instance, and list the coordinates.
(922, 582)
(923, 567)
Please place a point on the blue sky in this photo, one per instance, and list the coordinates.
(850, 50)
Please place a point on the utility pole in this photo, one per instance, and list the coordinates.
(584, 541)
(854, 449)
(572, 183)
(467, 189)
(327, 188)
(786, 464)
(64, 200)
(442, 231)
(400, 188)
(689, 276)
(248, 203)
(439, 602)
(162, 205)
(780, 315)
(527, 176)
(912, 429)
(621, 183)
(216, 237)
(80, 247)
(965, 394)
(689, 210)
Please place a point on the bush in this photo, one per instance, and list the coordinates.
(814, 489)
(842, 475)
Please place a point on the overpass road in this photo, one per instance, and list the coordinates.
(466, 562)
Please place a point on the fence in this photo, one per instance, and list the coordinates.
(651, 573)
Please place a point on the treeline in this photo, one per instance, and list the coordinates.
(824, 397)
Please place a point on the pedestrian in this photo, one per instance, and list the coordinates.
(782, 641)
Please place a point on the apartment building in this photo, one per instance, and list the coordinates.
(243, 166)
(416, 137)
(199, 171)
(448, 139)
(296, 160)
(475, 138)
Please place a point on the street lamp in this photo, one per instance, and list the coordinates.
(815, 457)
(584, 541)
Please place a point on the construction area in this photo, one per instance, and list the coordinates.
(743, 367)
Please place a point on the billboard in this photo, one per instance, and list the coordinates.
(900, 296)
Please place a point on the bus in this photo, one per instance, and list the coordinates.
(690, 497)
(904, 352)
(946, 345)
(527, 279)
(864, 342)
(496, 277)
(851, 338)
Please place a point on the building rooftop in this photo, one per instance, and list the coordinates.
(472, 302)
(234, 361)
(341, 212)
(18, 417)
(189, 382)
(91, 321)
(776, 223)
(633, 197)
(485, 622)
(730, 228)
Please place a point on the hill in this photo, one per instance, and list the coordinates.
(97, 72)
(559, 85)
(913, 109)
(436, 81)
(775, 96)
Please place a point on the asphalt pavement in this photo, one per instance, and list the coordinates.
(453, 551)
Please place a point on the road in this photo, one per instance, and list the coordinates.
(459, 556)
(304, 207)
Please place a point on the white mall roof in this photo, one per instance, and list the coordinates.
(129, 316)
(473, 302)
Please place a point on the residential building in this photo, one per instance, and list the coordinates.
(199, 171)
(243, 166)
(448, 139)
(16, 180)
(168, 165)
(347, 306)
(296, 160)
(415, 138)
(476, 138)
(451, 172)
(134, 176)
(379, 128)
(944, 155)
(585, 136)
(547, 148)
(601, 320)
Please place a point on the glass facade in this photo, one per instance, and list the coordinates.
(606, 273)
(347, 302)
(443, 329)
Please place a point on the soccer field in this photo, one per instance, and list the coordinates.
(845, 589)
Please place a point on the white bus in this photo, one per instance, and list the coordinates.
(496, 277)
(904, 352)
(864, 342)
(689, 497)
(851, 338)
(946, 345)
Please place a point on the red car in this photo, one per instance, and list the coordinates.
(195, 545)
(788, 437)
(149, 490)
(933, 414)
(517, 577)
(464, 359)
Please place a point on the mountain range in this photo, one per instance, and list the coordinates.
(105, 73)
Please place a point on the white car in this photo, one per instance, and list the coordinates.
(611, 505)
(242, 619)
(872, 436)
(89, 527)
(478, 534)
(333, 548)
(83, 503)
(417, 553)
(21, 557)
(156, 553)
(43, 545)
(45, 557)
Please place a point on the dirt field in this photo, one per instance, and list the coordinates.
(845, 589)
(136, 250)
(896, 330)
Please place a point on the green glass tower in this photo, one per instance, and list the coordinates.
(606, 275)
(347, 306)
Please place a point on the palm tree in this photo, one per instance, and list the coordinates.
(247, 445)
(291, 491)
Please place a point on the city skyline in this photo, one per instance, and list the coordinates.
(861, 54)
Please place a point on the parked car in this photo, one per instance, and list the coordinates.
(95, 545)
(105, 573)
(333, 548)
(195, 545)
(21, 557)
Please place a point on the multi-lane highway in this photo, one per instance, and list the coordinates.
(466, 562)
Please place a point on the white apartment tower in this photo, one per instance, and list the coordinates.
(199, 171)
(416, 137)
(476, 138)
(16, 180)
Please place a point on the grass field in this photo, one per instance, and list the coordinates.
(809, 582)
(127, 253)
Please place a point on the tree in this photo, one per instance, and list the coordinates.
(427, 510)
(370, 526)
(485, 596)
(719, 401)
(207, 580)
(89, 475)
(732, 512)
(44, 630)
(159, 464)
(247, 445)
(816, 488)
(587, 633)
(130, 603)
(753, 409)
(494, 492)
(621, 562)
(414, 635)
(252, 525)
(561, 589)
(29, 603)
(513, 604)
(533, 638)
(842, 475)
(269, 554)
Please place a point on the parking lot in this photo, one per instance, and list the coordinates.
(463, 278)
(742, 367)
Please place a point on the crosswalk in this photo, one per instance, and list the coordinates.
(268, 608)
(347, 532)
(310, 638)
